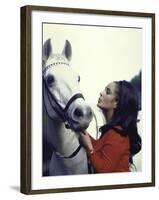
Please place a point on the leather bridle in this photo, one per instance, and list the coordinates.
(62, 113)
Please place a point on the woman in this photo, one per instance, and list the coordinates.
(119, 140)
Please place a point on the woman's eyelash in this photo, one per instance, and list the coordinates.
(108, 91)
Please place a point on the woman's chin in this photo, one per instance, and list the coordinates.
(99, 105)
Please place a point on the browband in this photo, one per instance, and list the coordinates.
(53, 64)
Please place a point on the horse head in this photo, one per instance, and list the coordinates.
(62, 97)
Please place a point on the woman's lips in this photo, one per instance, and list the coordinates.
(99, 100)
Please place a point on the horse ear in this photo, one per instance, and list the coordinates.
(67, 51)
(47, 50)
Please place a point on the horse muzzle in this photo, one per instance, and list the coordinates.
(81, 117)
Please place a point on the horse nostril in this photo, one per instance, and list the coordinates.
(78, 112)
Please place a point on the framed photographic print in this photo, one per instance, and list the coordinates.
(87, 99)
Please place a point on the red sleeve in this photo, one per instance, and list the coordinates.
(106, 158)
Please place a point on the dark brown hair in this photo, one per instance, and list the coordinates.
(125, 115)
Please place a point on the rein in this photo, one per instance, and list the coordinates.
(70, 156)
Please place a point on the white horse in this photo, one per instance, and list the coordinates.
(65, 114)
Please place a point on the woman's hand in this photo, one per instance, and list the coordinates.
(86, 141)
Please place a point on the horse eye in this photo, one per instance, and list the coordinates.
(79, 78)
(50, 79)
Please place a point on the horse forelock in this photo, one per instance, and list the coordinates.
(54, 60)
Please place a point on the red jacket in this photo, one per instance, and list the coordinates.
(111, 153)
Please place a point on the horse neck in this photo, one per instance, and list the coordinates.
(66, 139)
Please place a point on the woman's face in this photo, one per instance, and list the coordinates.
(107, 100)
